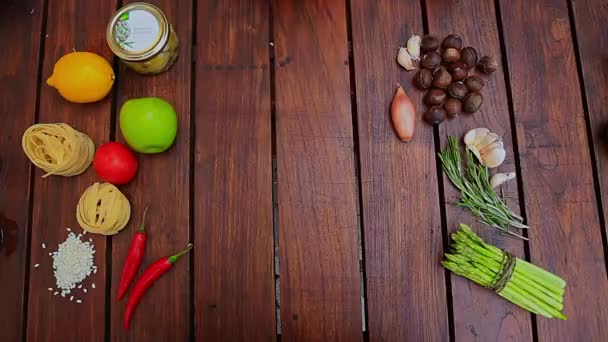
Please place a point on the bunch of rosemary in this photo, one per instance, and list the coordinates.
(476, 194)
(520, 282)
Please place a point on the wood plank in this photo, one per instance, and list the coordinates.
(479, 314)
(163, 184)
(320, 282)
(81, 26)
(592, 34)
(557, 178)
(234, 292)
(22, 24)
(406, 295)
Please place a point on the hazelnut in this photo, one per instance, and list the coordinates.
(430, 60)
(435, 97)
(441, 78)
(474, 83)
(423, 79)
(487, 65)
(458, 70)
(429, 43)
(452, 41)
(472, 102)
(457, 90)
(434, 116)
(450, 55)
(452, 107)
(468, 56)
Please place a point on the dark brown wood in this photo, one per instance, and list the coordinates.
(406, 295)
(230, 181)
(479, 314)
(71, 25)
(592, 34)
(319, 269)
(163, 184)
(565, 234)
(233, 264)
(21, 24)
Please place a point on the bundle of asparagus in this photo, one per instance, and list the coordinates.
(516, 280)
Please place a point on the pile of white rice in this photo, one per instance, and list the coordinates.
(72, 263)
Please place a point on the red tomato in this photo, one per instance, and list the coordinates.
(114, 163)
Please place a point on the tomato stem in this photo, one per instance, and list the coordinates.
(172, 259)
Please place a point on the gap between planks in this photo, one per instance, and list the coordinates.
(442, 202)
(514, 139)
(275, 181)
(192, 162)
(108, 260)
(31, 183)
(357, 168)
(589, 125)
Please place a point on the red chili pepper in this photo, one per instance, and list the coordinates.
(134, 258)
(153, 272)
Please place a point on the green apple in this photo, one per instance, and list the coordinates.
(148, 124)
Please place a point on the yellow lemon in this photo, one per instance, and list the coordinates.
(82, 77)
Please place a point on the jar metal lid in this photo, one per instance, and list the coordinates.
(137, 32)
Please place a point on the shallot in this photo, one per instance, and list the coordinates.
(403, 115)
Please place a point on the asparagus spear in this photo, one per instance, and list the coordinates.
(483, 279)
(467, 237)
(531, 291)
(518, 276)
(533, 269)
(529, 286)
(512, 293)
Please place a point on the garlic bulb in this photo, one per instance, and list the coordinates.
(487, 146)
(500, 178)
(413, 47)
(405, 60)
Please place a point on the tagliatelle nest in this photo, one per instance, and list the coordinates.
(58, 149)
(103, 209)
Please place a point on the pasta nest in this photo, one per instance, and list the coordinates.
(103, 209)
(58, 149)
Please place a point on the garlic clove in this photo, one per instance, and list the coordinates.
(474, 135)
(493, 155)
(405, 60)
(487, 140)
(499, 178)
(486, 146)
(496, 144)
(476, 153)
(413, 47)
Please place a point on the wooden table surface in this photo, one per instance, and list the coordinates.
(311, 221)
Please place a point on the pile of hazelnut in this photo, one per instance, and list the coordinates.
(445, 74)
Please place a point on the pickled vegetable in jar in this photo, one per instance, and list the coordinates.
(142, 37)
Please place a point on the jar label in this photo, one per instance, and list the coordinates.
(136, 30)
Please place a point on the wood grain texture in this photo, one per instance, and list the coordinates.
(81, 26)
(592, 32)
(561, 206)
(320, 282)
(406, 295)
(163, 184)
(21, 22)
(479, 314)
(234, 278)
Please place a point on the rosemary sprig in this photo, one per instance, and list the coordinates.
(476, 194)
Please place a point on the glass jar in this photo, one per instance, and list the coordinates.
(142, 37)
